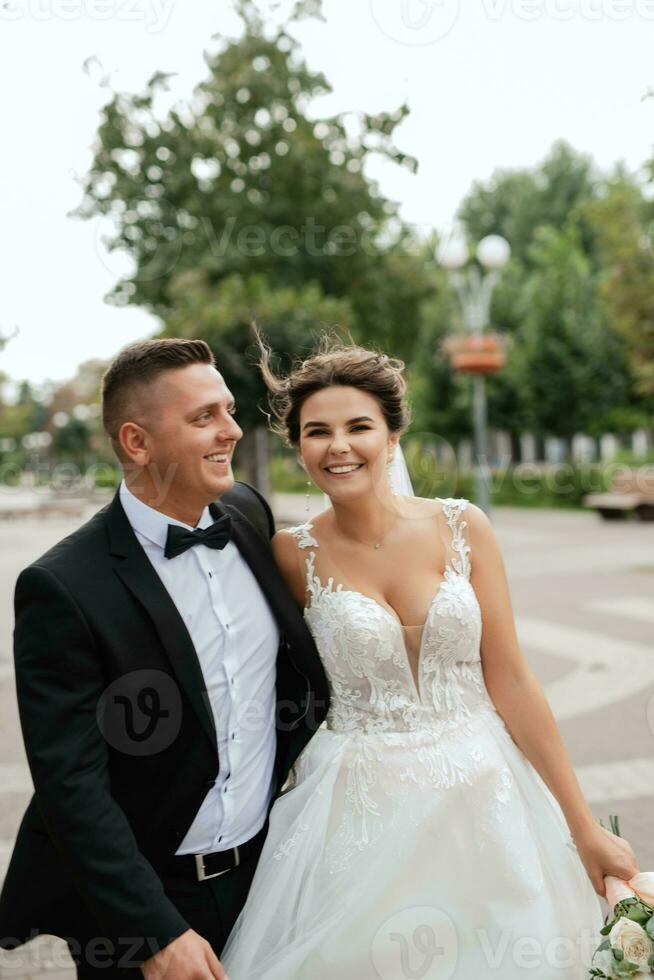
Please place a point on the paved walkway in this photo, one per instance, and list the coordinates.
(583, 597)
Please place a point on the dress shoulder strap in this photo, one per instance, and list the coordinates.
(453, 508)
(305, 539)
(302, 533)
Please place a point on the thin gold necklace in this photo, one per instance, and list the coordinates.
(376, 545)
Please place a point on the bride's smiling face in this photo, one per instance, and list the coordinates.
(344, 441)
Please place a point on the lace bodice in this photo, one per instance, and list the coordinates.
(362, 646)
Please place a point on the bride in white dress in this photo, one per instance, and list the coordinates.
(434, 827)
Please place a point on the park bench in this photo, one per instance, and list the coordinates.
(631, 492)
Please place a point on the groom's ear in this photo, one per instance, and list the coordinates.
(133, 440)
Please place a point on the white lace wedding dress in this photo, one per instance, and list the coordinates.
(416, 839)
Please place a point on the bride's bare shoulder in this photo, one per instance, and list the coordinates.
(420, 506)
(284, 543)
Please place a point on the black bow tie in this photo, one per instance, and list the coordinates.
(215, 536)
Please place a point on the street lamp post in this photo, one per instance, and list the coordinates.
(476, 355)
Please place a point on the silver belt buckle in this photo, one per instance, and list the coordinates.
(199, 865)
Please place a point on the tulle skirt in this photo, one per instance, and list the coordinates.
(432, 854)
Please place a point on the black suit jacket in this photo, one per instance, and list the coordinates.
(94, 625)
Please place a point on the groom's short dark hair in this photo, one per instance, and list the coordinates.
(139, 365)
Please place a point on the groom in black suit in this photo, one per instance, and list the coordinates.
(166, 684)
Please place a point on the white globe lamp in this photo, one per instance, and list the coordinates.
(452, 254)
(493, 251)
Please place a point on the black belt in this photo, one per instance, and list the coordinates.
(215, 863)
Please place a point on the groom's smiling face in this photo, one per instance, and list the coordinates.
(189, 434)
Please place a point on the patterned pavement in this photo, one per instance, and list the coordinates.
(583, 597)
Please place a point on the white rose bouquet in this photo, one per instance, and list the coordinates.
(628, 950)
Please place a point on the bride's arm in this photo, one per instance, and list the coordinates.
(519, 699)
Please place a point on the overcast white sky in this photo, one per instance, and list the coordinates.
(491, 85)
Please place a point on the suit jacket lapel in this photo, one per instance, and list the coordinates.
(258, 556)
(136, 571)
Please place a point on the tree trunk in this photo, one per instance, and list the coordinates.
(516, 448)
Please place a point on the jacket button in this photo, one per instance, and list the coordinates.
(175, 834)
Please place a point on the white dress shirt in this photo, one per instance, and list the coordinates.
(236, 639)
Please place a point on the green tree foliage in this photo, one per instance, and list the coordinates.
(623, 224)
(72, 441)
(5, 338)
(439, 397)
(565, 345)
(23, 415)
(516, 203)
(239, 204)
(568, 366)
(241, 181)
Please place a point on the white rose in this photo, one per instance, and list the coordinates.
(633, 941)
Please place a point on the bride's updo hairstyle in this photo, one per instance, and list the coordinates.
(334, 363)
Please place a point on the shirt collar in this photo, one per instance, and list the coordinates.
(151, 523)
